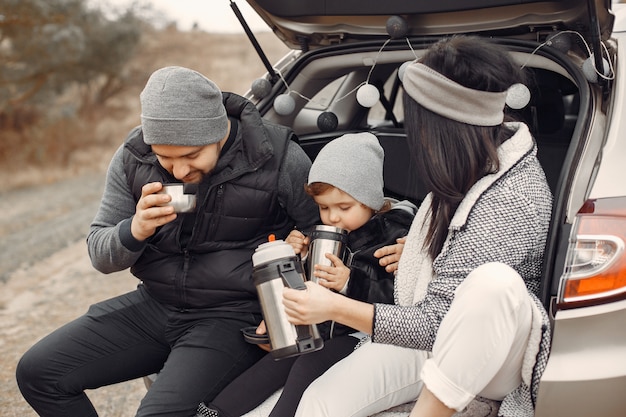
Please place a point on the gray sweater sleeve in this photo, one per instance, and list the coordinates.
(110, 243)
(113, 248)
(291, 195)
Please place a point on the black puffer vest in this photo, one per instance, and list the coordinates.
(237, 209)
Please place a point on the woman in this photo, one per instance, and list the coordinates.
(467, 323)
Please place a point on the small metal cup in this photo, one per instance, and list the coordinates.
(182, 201)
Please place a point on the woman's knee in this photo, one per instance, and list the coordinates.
(312, 401)
(493, 280)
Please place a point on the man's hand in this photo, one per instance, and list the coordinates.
(149, 214)
(388, 256)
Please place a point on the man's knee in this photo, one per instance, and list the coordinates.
(28, 374)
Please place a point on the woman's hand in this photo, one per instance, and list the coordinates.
(310, 306)
(317, 304)
(298, 242)
(332, 277)
(389, 256)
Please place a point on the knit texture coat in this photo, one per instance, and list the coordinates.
(503, 218)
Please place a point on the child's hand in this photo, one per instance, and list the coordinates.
(298, 242)
(333, 277)
(390, 255)
(261, 329)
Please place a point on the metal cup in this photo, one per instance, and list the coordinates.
(183, 200)
(325, 239)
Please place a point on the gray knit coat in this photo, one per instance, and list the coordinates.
(503, 218)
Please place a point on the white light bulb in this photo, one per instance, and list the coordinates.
(589, 69)
(367, 95)
(517, 96)
(284, 104)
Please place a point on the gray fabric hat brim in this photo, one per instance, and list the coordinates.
(186, 132)
(181, 107)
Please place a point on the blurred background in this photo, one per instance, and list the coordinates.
(71, 72)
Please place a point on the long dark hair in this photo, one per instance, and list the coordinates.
(451, 156)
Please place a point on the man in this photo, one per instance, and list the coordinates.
(195, 291)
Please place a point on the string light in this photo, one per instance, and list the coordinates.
(517, 96)
(284, 104)
(592, 73)
(327, 121)
(563, 44)
(367, 95)
(397, 27)
(261, 87)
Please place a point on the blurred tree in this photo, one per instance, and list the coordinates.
(50, 46)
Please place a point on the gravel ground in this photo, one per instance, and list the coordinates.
(46, 280)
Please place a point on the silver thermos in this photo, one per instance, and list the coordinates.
(276, 266)
(322, 240)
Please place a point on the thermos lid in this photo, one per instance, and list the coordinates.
(270, 251)
(331, 229)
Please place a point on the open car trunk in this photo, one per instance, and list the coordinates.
(339, 45)
(560, 116)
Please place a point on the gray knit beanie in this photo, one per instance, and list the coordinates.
(354, 164)
(182, 107)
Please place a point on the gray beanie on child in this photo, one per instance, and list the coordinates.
(182, 107)
(354, 164)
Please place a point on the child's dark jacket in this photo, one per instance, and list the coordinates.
(369, 282)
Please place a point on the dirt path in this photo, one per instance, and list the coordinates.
(46, 280)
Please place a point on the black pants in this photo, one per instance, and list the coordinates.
(261, 380)
(196, 352)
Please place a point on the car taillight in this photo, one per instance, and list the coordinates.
(595, 265)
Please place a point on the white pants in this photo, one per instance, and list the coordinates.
(479, 350)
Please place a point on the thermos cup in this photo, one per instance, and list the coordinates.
(275, 266)
(183, 196)
(322, 240)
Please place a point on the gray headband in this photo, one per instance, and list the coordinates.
(449, 99)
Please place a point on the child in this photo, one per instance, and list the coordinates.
(346, 182)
